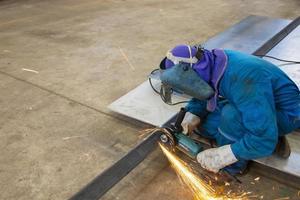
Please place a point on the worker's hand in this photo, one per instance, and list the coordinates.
(190, 123)
(215, 159)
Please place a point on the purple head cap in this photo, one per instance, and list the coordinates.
(203, 66)
(181, 51)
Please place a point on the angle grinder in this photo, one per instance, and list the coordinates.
(174, 136)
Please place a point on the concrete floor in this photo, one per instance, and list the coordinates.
(55, 130)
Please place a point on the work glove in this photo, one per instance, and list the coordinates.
(190, 123)
(215, 159)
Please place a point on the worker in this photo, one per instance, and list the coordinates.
(252, 107)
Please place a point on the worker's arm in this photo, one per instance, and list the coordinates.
(196, 110)
(253, 97)
(197, 107)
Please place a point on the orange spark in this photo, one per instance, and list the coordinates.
(200, 189)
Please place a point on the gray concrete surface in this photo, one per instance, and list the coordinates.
(56, 132)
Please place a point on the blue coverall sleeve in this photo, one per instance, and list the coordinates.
(254, 100)
(197, 107)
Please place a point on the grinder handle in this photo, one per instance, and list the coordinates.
(179, 118)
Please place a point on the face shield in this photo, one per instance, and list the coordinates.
(176, 74)
(184, 79)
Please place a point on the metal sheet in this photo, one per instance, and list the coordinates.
(276, 39)
(288, 49)
(247, 35)
(143, 104)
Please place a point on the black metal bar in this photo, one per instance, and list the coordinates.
(111, 176)
(266, 47)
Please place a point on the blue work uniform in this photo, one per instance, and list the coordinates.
(258, 103)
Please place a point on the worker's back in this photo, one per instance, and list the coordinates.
(247, 69)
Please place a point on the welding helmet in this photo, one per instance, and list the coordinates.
(177, 73)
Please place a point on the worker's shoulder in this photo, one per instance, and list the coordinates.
(242, 66)
(242, 61)
(237, 56)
